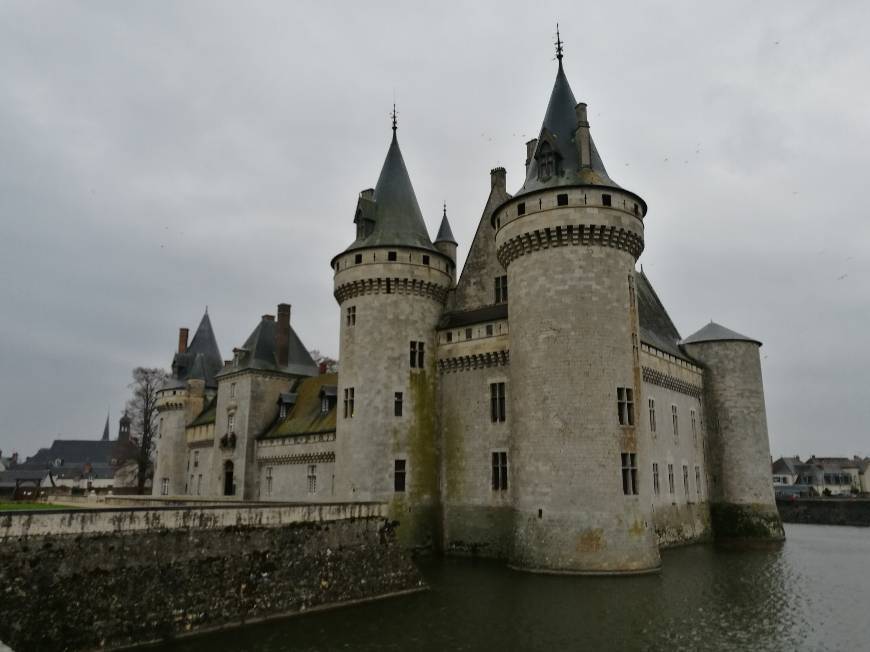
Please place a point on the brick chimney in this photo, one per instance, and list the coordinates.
(182, 339)
(498, 178)
(531, 146)
(581, 135)
(282, 335)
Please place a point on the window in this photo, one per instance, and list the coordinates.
(468, 333)
(629, 474)
(425, 259)
(397, 405)
(164, 487)
(348, 402)
(686, 479)
(199, 484)
(195, 459)
(391, 256)
(521, 208)
(188, 488)
(671, 478)
(497, 402)
(282, 411)
(389, 287)
(652, 415)
(698, 480)
(636, 210)
(499, 471)
(399, 475)
(268, 480)
(357, 259)
(501, 295)
(351, 315)
(605, 199)
(562, 199)
(417, 355)
(449, 336)
(675, 420)
(312, 478)
(324, 404)
(231, 423)
(625, 405)
(489, 330)
(160, 428)
(694, 425)
(656, 488)
(232, 390)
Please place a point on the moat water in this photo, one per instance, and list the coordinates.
(812, 593)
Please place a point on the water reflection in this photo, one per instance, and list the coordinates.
(809, 594)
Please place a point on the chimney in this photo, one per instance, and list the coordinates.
(14, 458)
(530, 150)
(322, 368)
(581, 136)
(268, 317)
(498, 179)
(282, 335)
(182, 339)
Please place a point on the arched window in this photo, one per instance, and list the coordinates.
(229, 483)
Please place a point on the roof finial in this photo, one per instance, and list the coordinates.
(445, 209)
(558, 45)
(394, 114)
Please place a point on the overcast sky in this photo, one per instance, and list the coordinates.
(158, 157)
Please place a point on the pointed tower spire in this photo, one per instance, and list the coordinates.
(445, 233)
(106, 428)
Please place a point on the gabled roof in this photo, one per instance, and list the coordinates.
(260, 352)
(397, 218)
(306, 417)
(788, 465)
(558, 128)
(74, 452)
(714, 332)
(656, 328)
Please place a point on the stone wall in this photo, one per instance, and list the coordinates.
(825, 511)
(82, 580)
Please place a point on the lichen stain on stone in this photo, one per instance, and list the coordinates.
(591, 540)
(637, 529)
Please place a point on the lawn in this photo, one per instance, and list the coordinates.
(20, 506)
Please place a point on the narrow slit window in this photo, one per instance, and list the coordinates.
(497, 404)
(671, 478)
(656, 487)
(397, 404)
(499, 471)
(652, 415)
(400, 472)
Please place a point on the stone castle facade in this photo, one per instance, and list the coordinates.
(542, 408)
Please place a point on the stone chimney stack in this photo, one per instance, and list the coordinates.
(182, 339)
(530, 150)
(498, 179)
(581, 136)
(14, 458)
(282, 335)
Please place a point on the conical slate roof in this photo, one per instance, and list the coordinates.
(445, 233)
(560, 123)
(398, 220)
(260, 352)
(106, 429)
(202, 359)
(714, 332)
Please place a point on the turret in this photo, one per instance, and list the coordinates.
(390, 284)
(446, 243)
(569, 239)
(124, 428)
(742, 504)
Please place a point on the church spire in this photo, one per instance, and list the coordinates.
(106, 428)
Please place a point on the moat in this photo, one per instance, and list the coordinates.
(809, 594)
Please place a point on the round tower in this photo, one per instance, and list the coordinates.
(742, 503)
(390, 284)
(569, 240)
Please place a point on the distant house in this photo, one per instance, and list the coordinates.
(819, 476)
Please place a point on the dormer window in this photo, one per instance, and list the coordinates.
(548, 161)
(282, 411)
(324, 404)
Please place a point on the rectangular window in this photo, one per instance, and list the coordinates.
(282, 411)
(694, 425)
(468, 333)
(199, 484)
(449, 336)
(698, 480)
(671, 478)
(652, 415)
(195, 459)
(656, 487)
(231, 423)
(605, 199)
(312, 478)
(399, 475)
(391, 255)
(164, 487)
(501, 289)
(232, 390)
(268, 480)
(497, 402)
(562, 199)
(675, 420)
(499, 471)
(397, 406)
(425, 260)
(686, 479)
(351, 315)
(629, 474)
(348, 402)
(417, 357)
(521, 208)
(489, 330)
(357, 259)
(324, 405)
(625, 405)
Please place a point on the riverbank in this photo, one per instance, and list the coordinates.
(826, 511)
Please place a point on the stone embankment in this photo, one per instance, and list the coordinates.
(826, 511)
(110, 578)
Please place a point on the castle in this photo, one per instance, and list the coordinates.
(542, 408)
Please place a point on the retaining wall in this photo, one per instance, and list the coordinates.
(825, 511)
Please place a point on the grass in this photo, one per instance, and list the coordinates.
(21, 506)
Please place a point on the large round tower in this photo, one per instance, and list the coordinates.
(391, 284)
(569, 240)
(742, 504)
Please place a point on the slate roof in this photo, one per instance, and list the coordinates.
(306, 417)
(445, 233)
(76, 452)
(259, 352)
(9, 478)
(201, 361)
(397, 218)
(476, 316)
(788, 465)
(656, 328)
(714, 332)
(558, 127)
(207, 416)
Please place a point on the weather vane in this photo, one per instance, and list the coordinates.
(558, 44)
(394, 114)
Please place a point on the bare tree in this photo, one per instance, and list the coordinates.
(142, 410)
(319, 358)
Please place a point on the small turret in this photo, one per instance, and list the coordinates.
(446, 243)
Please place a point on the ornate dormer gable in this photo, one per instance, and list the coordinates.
(364, 218)
(547, 156)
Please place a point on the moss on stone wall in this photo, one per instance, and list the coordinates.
(748, 522)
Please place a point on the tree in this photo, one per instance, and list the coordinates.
(142, 410)
(319, 359)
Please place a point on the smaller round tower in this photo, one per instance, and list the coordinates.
(446, 243)
(742, 504)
